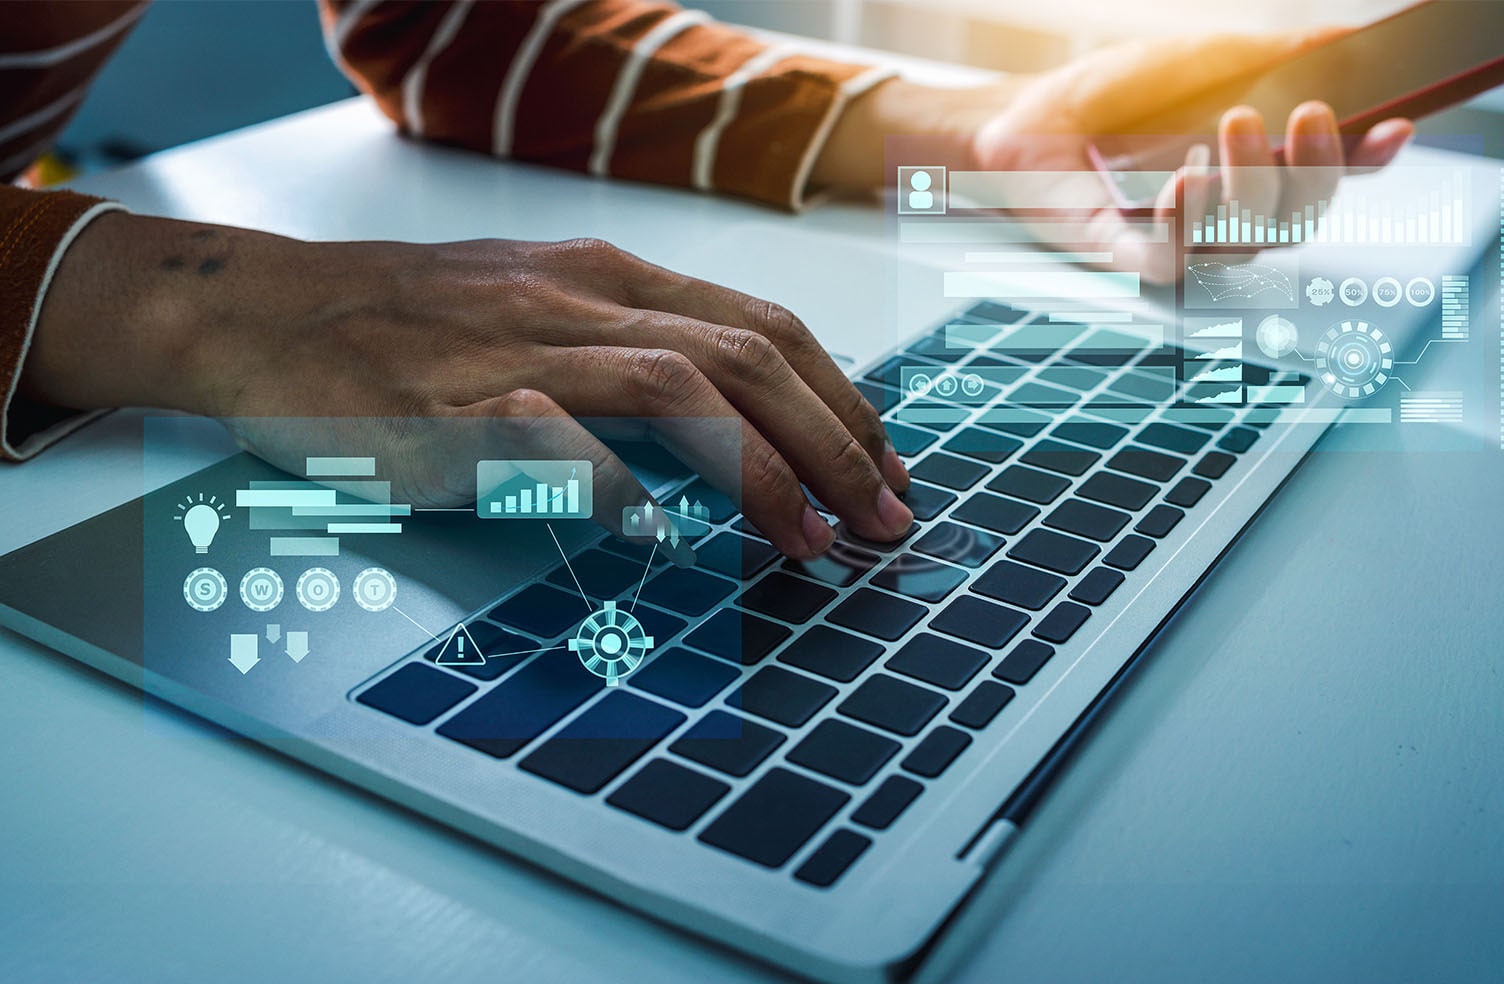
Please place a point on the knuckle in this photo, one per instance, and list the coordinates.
(662, 378)
(764, 471)
(778, 321)
(851, 462)
(524, 403)
(592, 247)
(749, 354)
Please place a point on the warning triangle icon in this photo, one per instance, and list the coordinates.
(460, 649)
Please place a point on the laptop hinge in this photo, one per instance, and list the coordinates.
(988, 846)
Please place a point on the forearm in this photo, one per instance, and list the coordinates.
(854, 156)
(140, 310)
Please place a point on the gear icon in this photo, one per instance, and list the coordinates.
(611, 643)
(1354, 359)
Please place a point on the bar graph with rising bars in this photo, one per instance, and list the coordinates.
(1437, 217)
(517, 489)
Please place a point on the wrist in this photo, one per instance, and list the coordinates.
(155, 312)
(943, 122)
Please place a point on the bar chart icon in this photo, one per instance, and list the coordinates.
(515, 489)
(1455, 307)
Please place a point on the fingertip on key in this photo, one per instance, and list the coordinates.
(818, 534)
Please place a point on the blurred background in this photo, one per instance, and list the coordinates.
(195, 68)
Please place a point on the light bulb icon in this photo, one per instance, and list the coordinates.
(201, 519)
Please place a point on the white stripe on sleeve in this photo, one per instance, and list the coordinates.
(627, 78)
(505, 117)
(339, 32)
(708, 142)
(416, 79)
(45, 57)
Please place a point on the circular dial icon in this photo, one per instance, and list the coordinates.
(261, 589)
(375, 589)
(205, 589)
(1276, 336)
(318, 589)
(611, 643)
(1354, 359)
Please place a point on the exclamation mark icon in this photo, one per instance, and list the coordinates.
(460, 640)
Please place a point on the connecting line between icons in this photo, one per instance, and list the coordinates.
(415, 622)
(1429, 343)
(525, 652)
(570, 567)
(646, 568)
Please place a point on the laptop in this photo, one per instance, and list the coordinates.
(818, 764)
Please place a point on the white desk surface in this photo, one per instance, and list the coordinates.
(1306, 782)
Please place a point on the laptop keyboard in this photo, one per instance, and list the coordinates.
(842, 685)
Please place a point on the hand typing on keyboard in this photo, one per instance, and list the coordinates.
(383, 338)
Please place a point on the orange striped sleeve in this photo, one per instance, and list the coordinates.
(635, 89)
(50, 51)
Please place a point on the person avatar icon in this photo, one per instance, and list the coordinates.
(921, 199)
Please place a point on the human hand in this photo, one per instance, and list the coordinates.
(241, 325)
(1047, 122)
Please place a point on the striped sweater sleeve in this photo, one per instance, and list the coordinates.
(49, 54)
(633, 89)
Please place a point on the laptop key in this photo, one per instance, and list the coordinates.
(831, 653)
(1030, 484)
(908, 441)
(926, 502)
(1062, 622)
(1159, 521)
(542, 611)
(1019, 666)
(939, 468)
(883, 398)
(877, 614)
(733, 556)
(1054, 551)
(686, 591)
(1018, 585)
(727, 743)
(1117, 490)
(1062, 458)
(984, 445)
(1214, 464)
(774, 818)
(995, 513)
(831, 859)
(842, 565)
(781, 696)
(416, 693)
(919, 577)
(524, 705)
(1238, 440)
(959, 544)
(1096, 586)
(1094, 435)
(891, 704)
(683, 677)
(598, 745)
(603, 575)
(887, 802)
(660, 625)
(1087, 519)
(843, 751)
(1187, 492)
(1014, 420)
(668, 794)
(980, 622)
(737, 636)
(938, 661)
(1173, 438)
(1153, 465)
(784, 596)
(991, 312)
(982, 704)
(1129, 553)
(936, 752)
